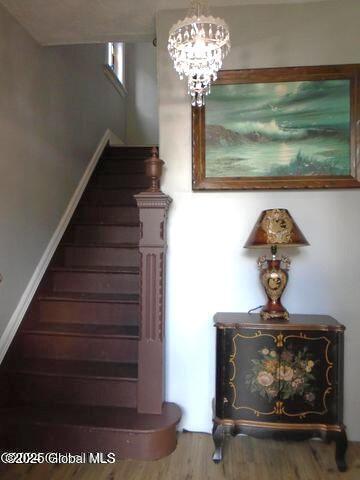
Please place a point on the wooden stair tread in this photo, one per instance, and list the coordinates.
(131, 158)
(106, 172)
(95, 186)
(131, 206)
(83, 330)
(112, 418)
(75, 368)
(103, 223)
(100, 245)
(100, 203)
(96, 269)
(91, 297)
(130, 148)
(136, 156)
(139, 187)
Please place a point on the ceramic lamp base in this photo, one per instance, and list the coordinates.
(274, 278)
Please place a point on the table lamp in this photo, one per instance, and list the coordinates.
(275, 228)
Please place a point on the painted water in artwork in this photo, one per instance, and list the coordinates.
(278, 129)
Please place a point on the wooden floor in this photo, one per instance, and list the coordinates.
(245, 459)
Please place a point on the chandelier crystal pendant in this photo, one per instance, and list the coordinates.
(198, 45)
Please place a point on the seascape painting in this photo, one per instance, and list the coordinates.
(291, 128)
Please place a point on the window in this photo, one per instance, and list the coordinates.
(116, 60)
(115, 65)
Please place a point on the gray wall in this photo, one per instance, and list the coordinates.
(142, 98)
(208, 270)
(55, 105)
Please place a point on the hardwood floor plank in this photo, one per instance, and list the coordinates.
(245, 458)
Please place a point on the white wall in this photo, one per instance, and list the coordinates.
(55, 105)
(142, 118)
(208, 270)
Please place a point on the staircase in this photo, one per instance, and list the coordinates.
(71, 373)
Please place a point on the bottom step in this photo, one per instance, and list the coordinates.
(72, 429)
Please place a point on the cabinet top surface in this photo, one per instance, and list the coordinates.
(296, 321)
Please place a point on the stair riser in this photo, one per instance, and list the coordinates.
(95, 282)
(100, 196)
(126, 153)
(101, 256)
(107, 214)
(76, 440)
(4, 389)
(105, 234)
(42, 389)
(118, 180)
(63, 347)
(89, 313)
(121, 166)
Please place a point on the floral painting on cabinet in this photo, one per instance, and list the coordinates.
(288, 372)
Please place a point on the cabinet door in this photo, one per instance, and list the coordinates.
(308, 377)
(247, 380)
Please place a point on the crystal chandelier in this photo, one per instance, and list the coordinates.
(198, 45)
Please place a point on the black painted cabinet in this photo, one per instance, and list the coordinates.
(283, 380)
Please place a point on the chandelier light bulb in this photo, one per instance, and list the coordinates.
(197, 46)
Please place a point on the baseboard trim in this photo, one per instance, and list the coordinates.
(114, 140)
(27, 296)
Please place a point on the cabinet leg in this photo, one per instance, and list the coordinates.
(340, 451)
(219, 433)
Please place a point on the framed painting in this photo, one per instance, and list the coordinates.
(275, 128)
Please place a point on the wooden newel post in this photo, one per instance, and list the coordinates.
(153, 207)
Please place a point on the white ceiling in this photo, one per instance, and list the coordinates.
(57, 22)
